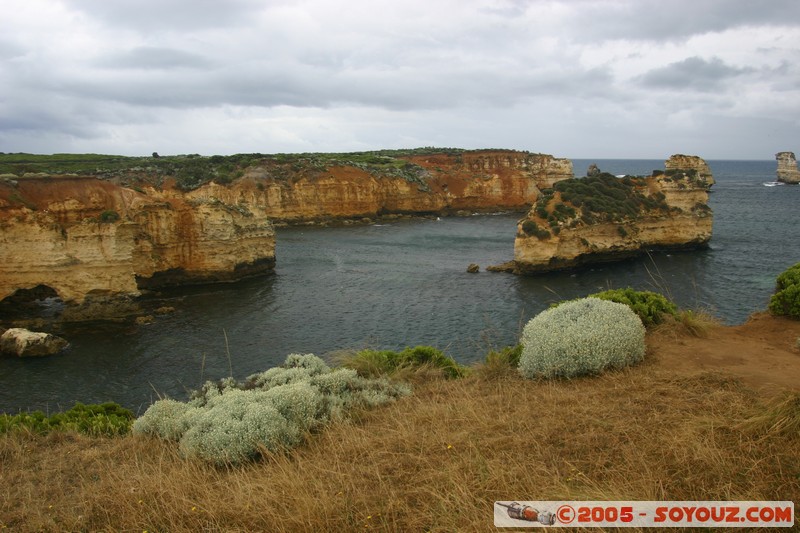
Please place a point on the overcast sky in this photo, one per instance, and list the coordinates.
(573, 78)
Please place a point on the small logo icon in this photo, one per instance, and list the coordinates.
(527, 513)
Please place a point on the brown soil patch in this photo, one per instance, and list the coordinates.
(762, 352)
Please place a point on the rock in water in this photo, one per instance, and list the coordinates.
(787, 168)
(473, 268)
(24, 343)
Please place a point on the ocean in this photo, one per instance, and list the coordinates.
(404, 283)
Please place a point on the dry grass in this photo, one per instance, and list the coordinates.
(434, 461)
(689, 322)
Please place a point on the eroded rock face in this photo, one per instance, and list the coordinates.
(671, 212)
(87, 238)
(97, 243)
(787, 168)
(485, 180)
(24, 343)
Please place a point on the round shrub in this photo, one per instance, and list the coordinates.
(168, 419)
(579, 337)
(786, 300)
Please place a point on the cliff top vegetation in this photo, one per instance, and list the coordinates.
(587, 200)
(193, 170)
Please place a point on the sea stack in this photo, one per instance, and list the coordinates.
(603, 218)
(787, 168)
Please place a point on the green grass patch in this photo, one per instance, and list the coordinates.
(371, 363)
(106, 419)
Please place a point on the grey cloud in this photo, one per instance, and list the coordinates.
(36, 117)
(272, 84)
(9, 50)
(693, 73)
(677, 19)
(151, 57)
(148, 15)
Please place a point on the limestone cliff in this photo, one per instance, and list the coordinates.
(605, 218)
(488, 180)
(196, 219)
(787, 168)
(84, 237)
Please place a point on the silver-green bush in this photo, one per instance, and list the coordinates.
(584, 336)
(228, 422)
(233, 426)
(168, 419)
(314, 364)
(300, 403)
(275, 377)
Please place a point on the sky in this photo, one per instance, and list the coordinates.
(573, 78)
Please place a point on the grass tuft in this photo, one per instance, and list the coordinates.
(781, 417)
(696, 323)
(374, 363)
(499, 365)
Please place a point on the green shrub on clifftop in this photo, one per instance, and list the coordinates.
(650, 307)
(786, 300)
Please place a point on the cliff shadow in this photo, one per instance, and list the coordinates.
(41, 301)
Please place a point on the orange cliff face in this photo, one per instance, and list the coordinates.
(433, 184)
(670, 211)
(84, 237)
(88, 238)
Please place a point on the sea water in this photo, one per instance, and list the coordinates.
(403, 283)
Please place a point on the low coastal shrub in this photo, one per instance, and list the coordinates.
(584, 336)
(383, 362)
(650, 307)
(786, 300)
(230, 422)
(97, 420)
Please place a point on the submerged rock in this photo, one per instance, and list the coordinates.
(25, 343)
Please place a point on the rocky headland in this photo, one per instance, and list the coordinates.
(604, 218)
(97, 231)
(91, 230)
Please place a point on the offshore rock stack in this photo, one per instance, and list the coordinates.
(787, 168)
(604, 218)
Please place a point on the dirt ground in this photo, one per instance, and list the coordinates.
(763, 352)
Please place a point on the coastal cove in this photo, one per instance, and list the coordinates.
(402, 283)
